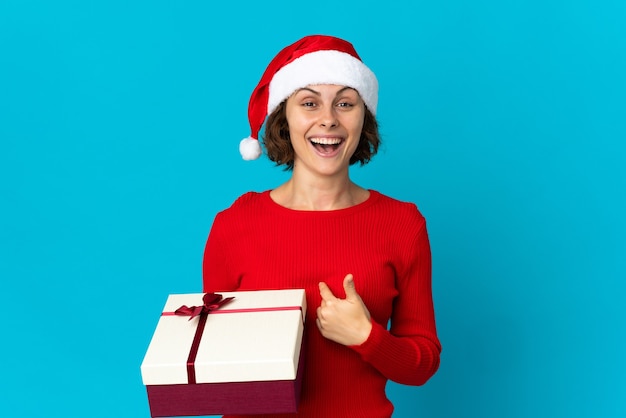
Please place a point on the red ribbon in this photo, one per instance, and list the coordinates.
(212, 301)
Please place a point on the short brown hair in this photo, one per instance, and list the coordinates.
(278, 142)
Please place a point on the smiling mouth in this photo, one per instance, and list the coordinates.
(326, 145)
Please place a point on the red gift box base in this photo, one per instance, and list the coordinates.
(271, 397)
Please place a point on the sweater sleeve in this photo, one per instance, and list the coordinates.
(217, 276)
(408, 353)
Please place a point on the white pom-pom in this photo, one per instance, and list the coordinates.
(250, 148)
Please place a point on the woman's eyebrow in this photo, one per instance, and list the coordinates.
(308, 89)
(344, 89)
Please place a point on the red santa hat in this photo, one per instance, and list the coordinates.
(315, 59)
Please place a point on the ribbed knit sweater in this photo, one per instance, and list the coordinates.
(257, 244)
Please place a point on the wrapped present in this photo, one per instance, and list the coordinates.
(228, 353)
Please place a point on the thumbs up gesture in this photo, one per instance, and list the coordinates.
(345, 321)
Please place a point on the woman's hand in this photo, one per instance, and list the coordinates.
(345, 321)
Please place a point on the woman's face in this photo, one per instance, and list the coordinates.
(325, 123)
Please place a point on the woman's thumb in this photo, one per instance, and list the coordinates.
(348, 286)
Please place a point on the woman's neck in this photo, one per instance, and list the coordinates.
(319, 194)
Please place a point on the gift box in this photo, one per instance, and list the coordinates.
(231, 353)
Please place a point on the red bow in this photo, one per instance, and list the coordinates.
(212, 301)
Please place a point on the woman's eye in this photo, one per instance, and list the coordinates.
(308, 104)
(345, 104)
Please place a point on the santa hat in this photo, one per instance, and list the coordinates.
(315, 59)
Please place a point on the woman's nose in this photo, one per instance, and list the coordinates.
(328, 117)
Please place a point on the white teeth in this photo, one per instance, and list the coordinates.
(326, 141)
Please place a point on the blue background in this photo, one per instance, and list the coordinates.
(504, 121)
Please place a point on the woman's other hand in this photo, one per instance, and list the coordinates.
(345, 321)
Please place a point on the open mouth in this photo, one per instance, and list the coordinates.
(326, 145)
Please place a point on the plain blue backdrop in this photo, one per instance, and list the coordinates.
(504, 121)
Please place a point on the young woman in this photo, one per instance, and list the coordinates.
(363, 257)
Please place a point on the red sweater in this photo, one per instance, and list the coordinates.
(257, 244)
